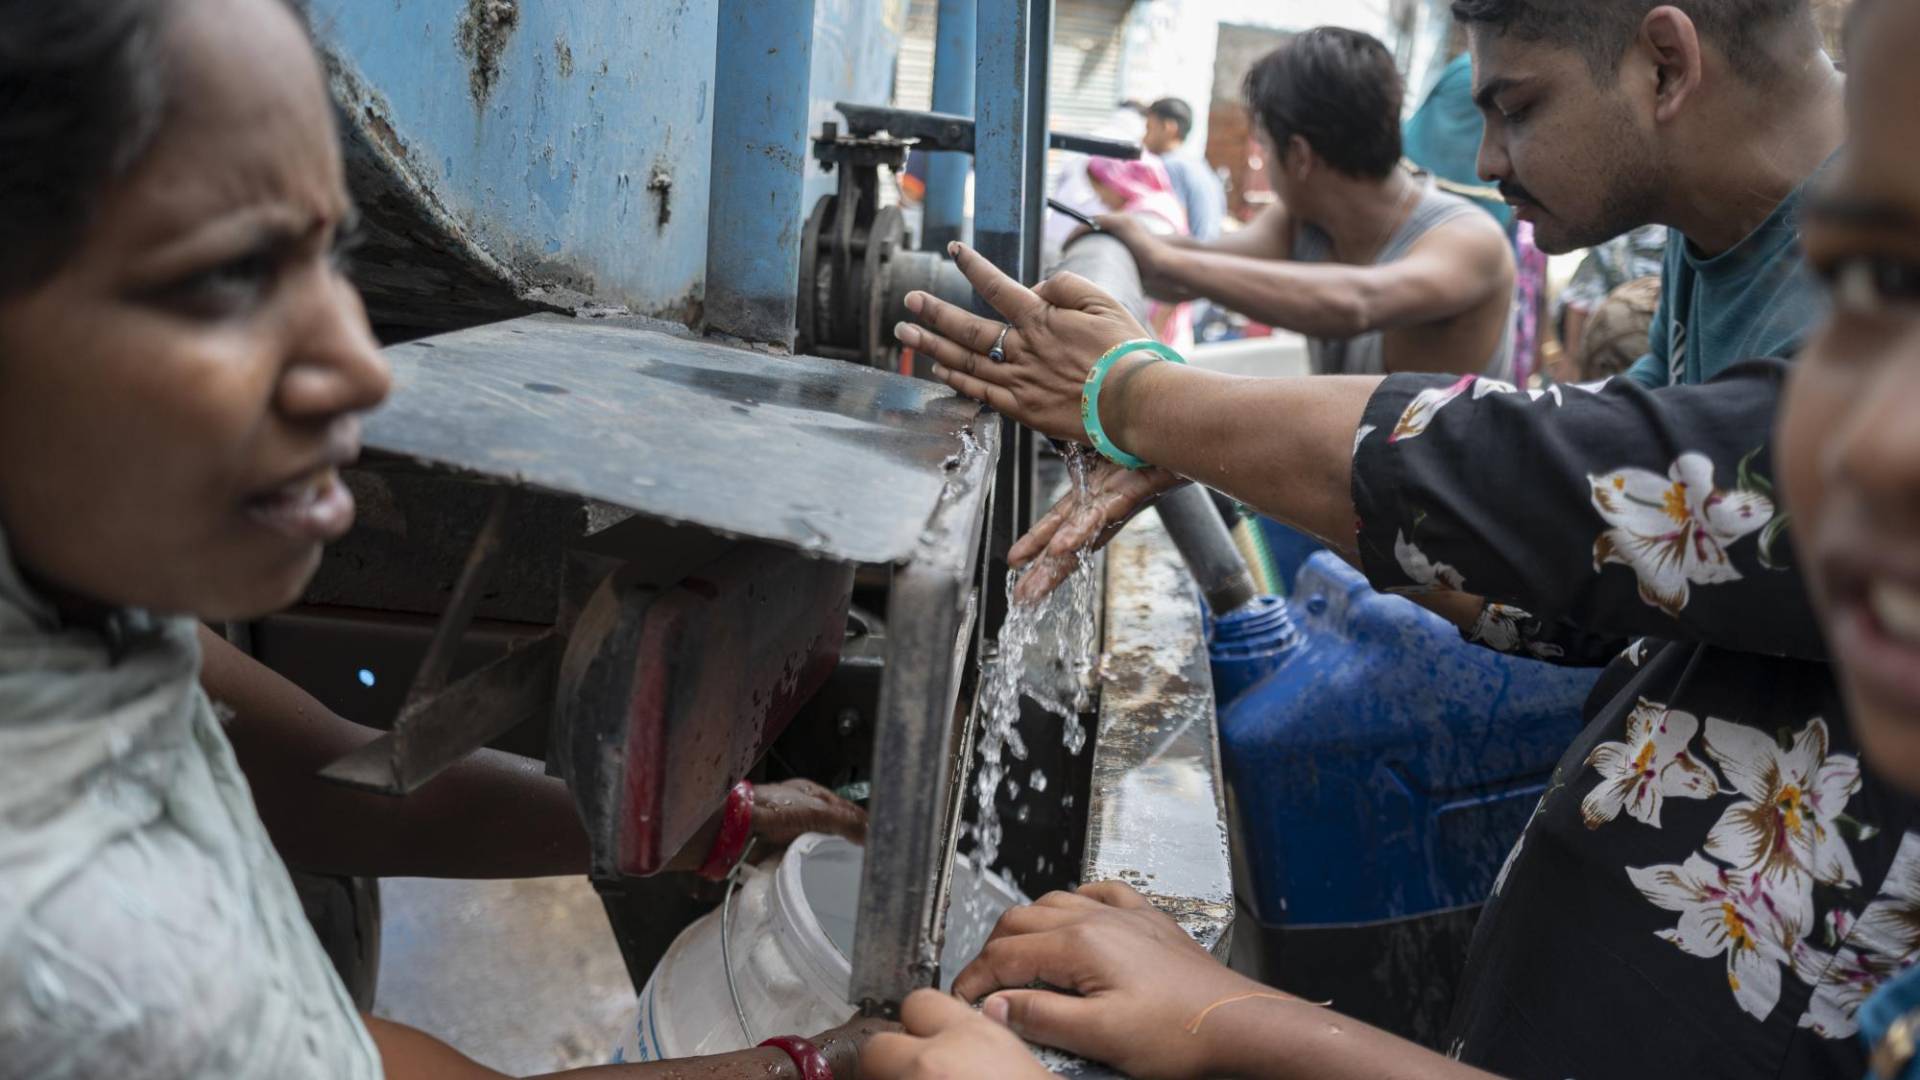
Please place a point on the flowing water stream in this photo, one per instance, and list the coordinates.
(1066, 619)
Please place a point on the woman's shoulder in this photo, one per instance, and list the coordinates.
(173, 944)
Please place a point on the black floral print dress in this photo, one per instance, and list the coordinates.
(1712, 883)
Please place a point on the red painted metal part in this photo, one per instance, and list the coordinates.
(714, 668)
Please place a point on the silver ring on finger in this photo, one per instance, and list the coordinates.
(998, 354)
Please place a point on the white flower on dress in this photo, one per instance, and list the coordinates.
(1734, 913)
(1786, 825)
(1361, 436)
(1499, 628)
(1486, 386)
(1891, 924)
(1881, 943)
(1419, 413)
(1427, 575)
(1652, 765)
(1636, 653)
(1842, 980)
(1674, 531)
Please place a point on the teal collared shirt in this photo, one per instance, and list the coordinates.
(1758, 299)
(1890, 1028)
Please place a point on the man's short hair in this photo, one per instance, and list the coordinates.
(1176, 112)
(1339, 90)
(1601, 30)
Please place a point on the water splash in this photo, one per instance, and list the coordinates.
(1067, 616)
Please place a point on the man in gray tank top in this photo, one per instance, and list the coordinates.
(1380, 270)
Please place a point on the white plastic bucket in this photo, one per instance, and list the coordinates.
(791, 939)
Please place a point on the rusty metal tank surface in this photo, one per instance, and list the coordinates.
(512, 157)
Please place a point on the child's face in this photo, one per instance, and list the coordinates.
(1849, 434)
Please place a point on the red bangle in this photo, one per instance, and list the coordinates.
(806, 1056)
(736, 825)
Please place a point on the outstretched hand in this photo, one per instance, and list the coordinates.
(946, 1040)
(783, 812)
(1055, 333)
(1080, 523)
(1138, 990)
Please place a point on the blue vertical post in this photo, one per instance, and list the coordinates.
(762, 90)
(1010, 150)
(1002, 93)
(953, 90)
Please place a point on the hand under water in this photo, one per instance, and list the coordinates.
(1138, 990)
(1077, 523)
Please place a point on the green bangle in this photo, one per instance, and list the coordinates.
(1090, 397)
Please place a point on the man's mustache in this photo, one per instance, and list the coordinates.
(1515, 194)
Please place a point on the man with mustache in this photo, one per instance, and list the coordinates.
(1709, 117)
(1706, 116)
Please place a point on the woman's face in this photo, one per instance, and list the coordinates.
(1850, 430)
(175, 401)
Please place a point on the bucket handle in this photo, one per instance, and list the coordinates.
(726, 939)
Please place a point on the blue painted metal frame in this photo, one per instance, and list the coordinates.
(953, 92)
(1015, 40)
(761, 93)
(584, 166)
(1005, 144)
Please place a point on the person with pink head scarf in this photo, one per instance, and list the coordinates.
(1144, 190)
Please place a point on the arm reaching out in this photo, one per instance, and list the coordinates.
(410, 1054)
(1457, 267)
(492, 815)
(1220, 430)
(1614, 510)
(1144, 998)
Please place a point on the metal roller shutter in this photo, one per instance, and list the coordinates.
(913, 78)
(1084, 84)
(1085, 71)
(1088, 40)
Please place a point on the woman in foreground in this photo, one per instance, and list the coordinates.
(182, 364)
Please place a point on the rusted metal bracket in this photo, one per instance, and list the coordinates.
(442, 723)
(932, 615)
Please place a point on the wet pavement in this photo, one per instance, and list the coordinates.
(521, 976)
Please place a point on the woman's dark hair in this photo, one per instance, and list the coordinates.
(1339, 90)
(82, 93)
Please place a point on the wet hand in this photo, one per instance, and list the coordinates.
(1055, 333)
(1141, 982)
(1082, 523)
(846, 1046)
(784, 811)
(946, 1040)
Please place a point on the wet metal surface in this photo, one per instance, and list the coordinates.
(520, 155)
(931, 614)
(1158, 817)
(840, 461)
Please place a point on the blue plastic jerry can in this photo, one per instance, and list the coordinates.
(1381, 771)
